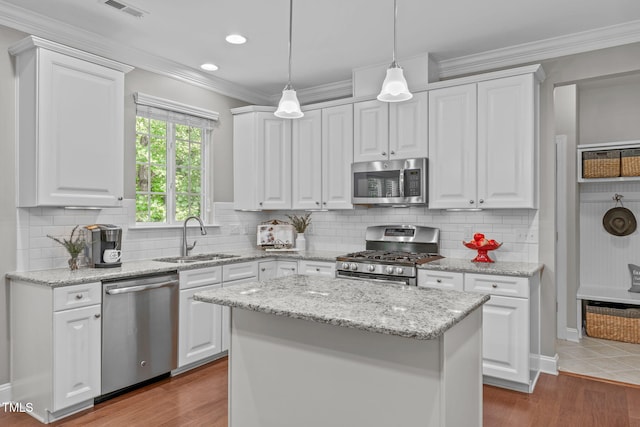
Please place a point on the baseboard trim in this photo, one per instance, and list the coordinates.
(5, 392)
(549, 364)
(572, 335)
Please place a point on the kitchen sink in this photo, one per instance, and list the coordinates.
(195, 258)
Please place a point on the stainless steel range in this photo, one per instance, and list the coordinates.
(392, 254)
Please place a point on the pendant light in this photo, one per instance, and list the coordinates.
(394, 87)
(289, 107)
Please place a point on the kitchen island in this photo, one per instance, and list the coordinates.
(319, 351)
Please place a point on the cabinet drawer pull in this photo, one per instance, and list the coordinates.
(438, 280)
(78, 296)
(493, 285)
(262, 269)
(317, 269)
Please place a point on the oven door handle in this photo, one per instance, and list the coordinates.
(395, 282)
(140, 288)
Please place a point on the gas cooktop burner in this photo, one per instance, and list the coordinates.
(396, 257)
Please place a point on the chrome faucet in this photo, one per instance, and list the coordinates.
(186, 248)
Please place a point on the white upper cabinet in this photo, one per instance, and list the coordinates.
(409, 127)
(261, 161)
(385, 131)
(70, 126)
(482, 144)
(371, 131)
(452, 147)
(307, 166)
(322, 147)
(337, 156)
(507, 134)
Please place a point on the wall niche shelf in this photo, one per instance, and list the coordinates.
(610, 147)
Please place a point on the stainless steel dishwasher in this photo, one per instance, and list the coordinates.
(139, 330)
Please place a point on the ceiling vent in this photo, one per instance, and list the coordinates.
(125, 8)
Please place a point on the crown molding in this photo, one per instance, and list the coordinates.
(32, 42)
(44, 27)
(601, 38)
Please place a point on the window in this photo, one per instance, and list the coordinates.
(172, 172)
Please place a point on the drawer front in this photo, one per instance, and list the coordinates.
(75, 296)
(200, 277)
(497, 285)
(317, 268)
(441, 280)
(244, 270)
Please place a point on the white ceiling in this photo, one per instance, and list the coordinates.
(330, 37)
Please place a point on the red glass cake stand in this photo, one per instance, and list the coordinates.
(483, 251)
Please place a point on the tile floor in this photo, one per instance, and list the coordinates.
(606, 359)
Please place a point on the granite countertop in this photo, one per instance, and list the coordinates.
(64, 277)
(503, 268)
(407, 311)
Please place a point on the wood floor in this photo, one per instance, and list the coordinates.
(199, 398)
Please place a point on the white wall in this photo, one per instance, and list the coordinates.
(7, 187)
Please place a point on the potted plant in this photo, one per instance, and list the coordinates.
(73, 245)
(300, 224)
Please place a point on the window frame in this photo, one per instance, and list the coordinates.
(150, 107)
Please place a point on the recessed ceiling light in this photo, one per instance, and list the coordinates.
(236, 39)
(209, 67)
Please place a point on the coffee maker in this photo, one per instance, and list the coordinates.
(99, 238)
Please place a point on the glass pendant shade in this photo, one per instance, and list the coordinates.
(394, 87)
(289, 107)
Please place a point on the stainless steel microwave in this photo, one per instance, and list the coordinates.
(401, 182)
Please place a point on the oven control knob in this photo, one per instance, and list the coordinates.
(389, 270)
(345, 265)
(399, 270)
(354, 266)
(371, 268)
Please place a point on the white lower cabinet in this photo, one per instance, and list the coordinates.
(505, 347)
(510, 323)
(286, 268)
(55, 347)
(317, 268)
(76, 355)
(441, 280)
(267, 270)
(200, 323)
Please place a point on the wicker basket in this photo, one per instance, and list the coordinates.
(631, 162)
(601, 164)
(618, 324)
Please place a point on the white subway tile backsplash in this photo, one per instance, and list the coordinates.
(334, 231)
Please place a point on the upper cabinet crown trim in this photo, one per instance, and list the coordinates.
(536, 70)
(32, 42)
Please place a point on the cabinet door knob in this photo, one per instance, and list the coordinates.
(384, 153)
(97, 315)
(392, 152)
(318, 203)
(120, 198)
(260, 203)
(494, 285)
(78, 296)
(262, 269)
(470, 202)
(481, 200)
(317, 269)
(438, 280)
